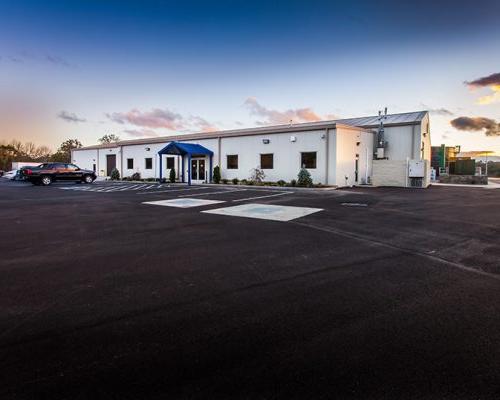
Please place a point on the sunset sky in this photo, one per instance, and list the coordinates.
(81, 69)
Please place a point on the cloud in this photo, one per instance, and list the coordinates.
(70, 117)
(140, 133)
(28, 57)
(158, 118)
(474, 124)
(279, 117)
(202, 124)
(58, 61)
(444, 112)
(492, 82)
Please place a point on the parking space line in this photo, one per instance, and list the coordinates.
(171, 190)
(207, 194)
(263, 197)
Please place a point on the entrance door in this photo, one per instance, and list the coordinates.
(110, 163)
(198, 170)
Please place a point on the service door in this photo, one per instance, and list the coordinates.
(110, 163)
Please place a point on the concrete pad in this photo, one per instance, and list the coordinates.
(183, 203)
(265, 211)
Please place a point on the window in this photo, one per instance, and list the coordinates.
(308, 160)
(72, 167)
(232, 161)
(130, 163)
(149, 163)
(170, 162)
(266, 161)
(93, 167)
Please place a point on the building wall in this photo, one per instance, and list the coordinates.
(401, 141)
(390, 173)
(86, 159)
(286, 154)
(351, 145)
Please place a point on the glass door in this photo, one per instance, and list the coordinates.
(197, 170)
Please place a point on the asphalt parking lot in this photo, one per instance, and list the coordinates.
(374, 293)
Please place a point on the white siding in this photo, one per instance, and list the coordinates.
(287, 155)
(85, 159)
(345, 156)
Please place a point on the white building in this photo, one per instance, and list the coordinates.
(339, 153)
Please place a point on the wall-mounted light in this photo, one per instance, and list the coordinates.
(266, 141)
(293, 139)
(147, 149)
(323, 136)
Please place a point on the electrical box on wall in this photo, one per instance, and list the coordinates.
(416, 169)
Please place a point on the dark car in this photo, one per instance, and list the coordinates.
(46, 173)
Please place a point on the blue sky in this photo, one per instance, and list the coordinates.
(85, 68)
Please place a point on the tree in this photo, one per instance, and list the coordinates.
(17, 151)
(109, 138)
(216, 174)
(172, 175)
(63, 153)
(304, 178)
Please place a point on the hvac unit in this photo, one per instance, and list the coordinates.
(416, 173)
(416, 182)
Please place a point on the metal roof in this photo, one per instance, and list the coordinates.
(410, 118)
(392, 119)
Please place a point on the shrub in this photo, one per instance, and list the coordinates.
(115, 175)
(293, 182)
(150, 180)
(172, 176)
(135, 176)
(304, 178)
(216, 174)
(251, 183)
(225, 181)
(257, 175)
(235, 181)
(244, 182)
(281, 182)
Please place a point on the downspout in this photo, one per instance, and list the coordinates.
(366, 165)
(413, 142)
(98, 170)
(406, 171)
(161, 166)
(218, 151)
(121, 161)
(327, 157)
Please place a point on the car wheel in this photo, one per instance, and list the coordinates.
(88, 179)
(46, 180)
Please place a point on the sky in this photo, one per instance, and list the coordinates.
(82, 69)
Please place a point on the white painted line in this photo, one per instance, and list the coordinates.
(183, 203)
(263, 197)
(171, 190)
(208, 194)
(265, 211)
(150, 186)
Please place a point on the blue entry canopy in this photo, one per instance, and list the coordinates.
(181, 149)
(189, 150)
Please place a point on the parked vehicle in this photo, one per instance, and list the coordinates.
(47, 173)
(10, 175)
